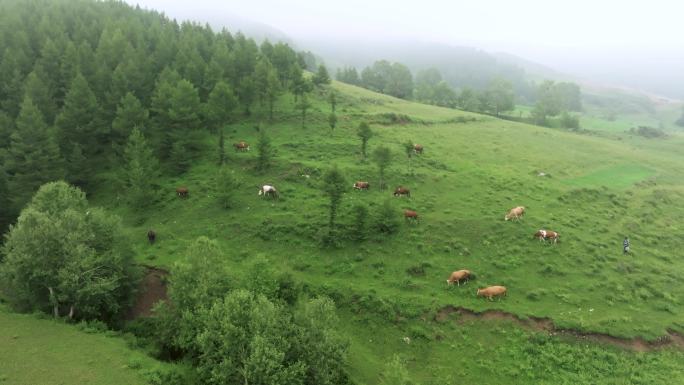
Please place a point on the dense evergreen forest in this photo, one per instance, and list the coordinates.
(78, 76)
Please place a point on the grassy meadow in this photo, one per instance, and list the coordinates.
(46, 352)
(595, 191)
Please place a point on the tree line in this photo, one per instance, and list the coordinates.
(497, 98)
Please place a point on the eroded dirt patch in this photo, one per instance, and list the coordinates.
(672, 339)
(152, 289)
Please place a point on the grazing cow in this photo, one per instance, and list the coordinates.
(457, 276)
(399, 191)
(361, 185)
(151, 236)
(410, 215)
(241, 146)
(515, 213)
(268, 190)
(491, 292)
(418, 149)
(543, 235)
(182, 192)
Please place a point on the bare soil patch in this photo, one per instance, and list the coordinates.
(152, 289)
(546, 325)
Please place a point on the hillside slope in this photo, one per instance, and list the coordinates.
(595, 191)
(35, 351)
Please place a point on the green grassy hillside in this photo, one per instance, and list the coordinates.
(596, 191)
(35, 351)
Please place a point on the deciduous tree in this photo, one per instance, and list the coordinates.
(63, 256)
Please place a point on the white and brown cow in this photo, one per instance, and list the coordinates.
(361, 185)
(418, 148)
(402, 191)
(515, 213)
(241, 146)
(268, 190)
(544, 235)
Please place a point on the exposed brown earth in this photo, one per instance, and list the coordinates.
(152, 289)
(545, 325)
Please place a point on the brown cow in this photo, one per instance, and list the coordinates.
(410, 215)
(151, 236)
(361, 185)
(457, 276)
(182, 192)
(399, 191)
(241, 146)
(543, 235)
(418, 149)
(492, 291)
(515, 213)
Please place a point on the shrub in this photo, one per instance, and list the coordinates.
(569, 121)
(386, 219)
(359, 222)
(648, 132)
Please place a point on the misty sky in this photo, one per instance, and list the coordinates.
(595, 38)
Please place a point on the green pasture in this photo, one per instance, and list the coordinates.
(44, 352)
(595, 191)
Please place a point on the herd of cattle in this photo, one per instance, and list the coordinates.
(457, 277)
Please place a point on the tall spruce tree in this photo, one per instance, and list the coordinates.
(36, 88)
(141, 170)
(220, 106)
(184, 135)
(265, 151)
(303, 106)
(334, 185)
(364, 133)
(78, 127)
(33, 157)
(130, 114)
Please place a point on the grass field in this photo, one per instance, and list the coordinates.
(597, 189)
(37, 351)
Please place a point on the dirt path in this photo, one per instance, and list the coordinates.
(152, 289)
(672, 339)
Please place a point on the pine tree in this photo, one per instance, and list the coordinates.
(221, 148)
(33, 157)
(226, 184)
(77, 126)
(265, 151)
(184, 137)
(267, 84)
(220, 106)
(409, 149)
(364, 133)
(6, 129)
(159, 110)
(332, 98)
(129, 114)
(382, 156)
(141, 170)
(303, 105)
(332, 121)
(334, 185)
(322, 76)
(36, 88)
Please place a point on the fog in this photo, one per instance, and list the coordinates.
(632, 43)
